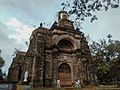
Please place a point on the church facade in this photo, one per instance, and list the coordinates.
(59, 53)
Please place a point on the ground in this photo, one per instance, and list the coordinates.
(101, 87)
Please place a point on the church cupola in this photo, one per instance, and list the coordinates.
(62, 15)
(63, 20)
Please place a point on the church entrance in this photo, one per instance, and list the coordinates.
(64, 75)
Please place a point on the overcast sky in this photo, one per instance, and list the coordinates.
(17, 18)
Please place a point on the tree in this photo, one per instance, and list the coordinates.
(106, 56)
(2, 62)
(86, 8)
(27, 43)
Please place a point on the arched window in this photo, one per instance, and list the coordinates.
(65, 44)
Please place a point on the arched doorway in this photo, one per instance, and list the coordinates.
(64, 74)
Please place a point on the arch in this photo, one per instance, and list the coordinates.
(64, 74)
(65, 67)
(65, 44)
(74, 42)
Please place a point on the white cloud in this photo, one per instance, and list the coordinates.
(13, 34)
(22, 32)
(14, 23)
(107, 23)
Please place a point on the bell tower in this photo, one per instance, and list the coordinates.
(62, 15)
(63, 20)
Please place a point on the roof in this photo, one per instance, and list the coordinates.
(40, 30)
(21, 53)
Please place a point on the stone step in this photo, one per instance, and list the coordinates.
(107, 87)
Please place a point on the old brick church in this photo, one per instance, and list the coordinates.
(59, 53)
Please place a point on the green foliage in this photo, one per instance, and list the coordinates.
(104, 69)
(115, 69)
(27, 43)
(106, 56)
(86, 8)
(1, 62)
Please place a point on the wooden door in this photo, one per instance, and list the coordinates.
(64, 75)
